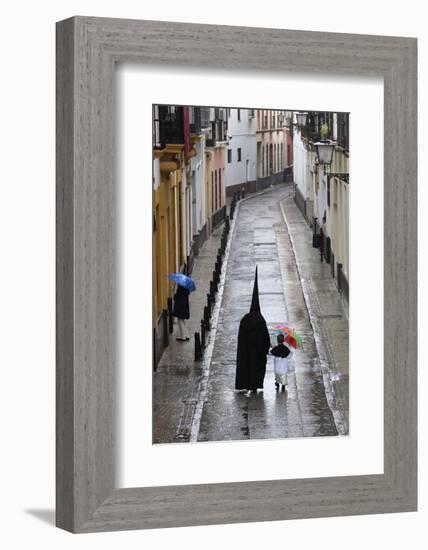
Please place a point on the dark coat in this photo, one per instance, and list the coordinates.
(181, 303)
(253, 347)
(280, 351)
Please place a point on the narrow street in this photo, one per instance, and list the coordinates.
(197, 401)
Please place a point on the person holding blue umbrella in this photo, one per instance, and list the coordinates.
(181, 309)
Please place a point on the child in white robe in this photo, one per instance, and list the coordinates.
(280, 353)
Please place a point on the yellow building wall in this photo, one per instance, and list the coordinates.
(168, 234)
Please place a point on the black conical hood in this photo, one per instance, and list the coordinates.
(255, 304)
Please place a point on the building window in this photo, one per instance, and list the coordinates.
(239, 114)
(229, 156)
(239, 154)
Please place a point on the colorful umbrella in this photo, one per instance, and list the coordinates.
(291, 336)
(183, 280)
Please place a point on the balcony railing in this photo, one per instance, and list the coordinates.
(195, 120)
(319, 126)
(169, 126)
(343, 130)
(217, 133)
(205, 117)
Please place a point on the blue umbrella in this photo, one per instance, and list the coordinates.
(183, 280)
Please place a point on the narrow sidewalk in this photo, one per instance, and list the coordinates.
(177, 377)
(327, 314)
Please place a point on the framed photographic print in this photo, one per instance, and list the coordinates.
(236, 338)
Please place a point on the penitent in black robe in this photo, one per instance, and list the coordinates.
(253, 347)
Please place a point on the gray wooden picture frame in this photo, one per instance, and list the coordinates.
(87, 50)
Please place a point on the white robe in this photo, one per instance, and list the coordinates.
(280, 368)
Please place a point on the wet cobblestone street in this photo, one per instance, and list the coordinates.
(197, 401)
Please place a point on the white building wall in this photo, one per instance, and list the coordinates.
(320, 203)
(198, 186)
(242, 134)
(301, 166)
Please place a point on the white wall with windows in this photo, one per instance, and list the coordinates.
(241, 152)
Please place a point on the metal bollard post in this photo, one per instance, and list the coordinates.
(198, 347)
(206, 319)
(203, 343)
(170, 316)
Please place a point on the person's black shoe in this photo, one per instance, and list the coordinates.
(187, 339)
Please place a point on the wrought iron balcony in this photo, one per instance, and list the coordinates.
(205, 117)
(343, 130)
(169, 126)
(217, 133)
(195, 120)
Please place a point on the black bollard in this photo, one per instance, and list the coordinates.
(198, 347)
(206, 319)
(203, 344)
(170, 316)
(212, 290)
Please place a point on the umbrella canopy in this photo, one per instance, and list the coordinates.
(183, 280)
(291, 336)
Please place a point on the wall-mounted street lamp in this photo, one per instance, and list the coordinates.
(324, 150)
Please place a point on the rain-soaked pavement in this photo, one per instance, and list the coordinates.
(197, 401)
